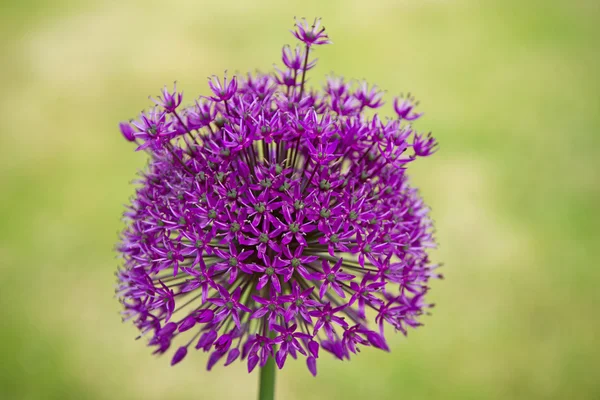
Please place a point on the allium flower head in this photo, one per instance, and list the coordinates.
(274, 220)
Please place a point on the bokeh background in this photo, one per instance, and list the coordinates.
(511, 90)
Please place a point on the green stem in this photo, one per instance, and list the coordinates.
(266, 389)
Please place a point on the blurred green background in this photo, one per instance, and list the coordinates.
(510, 89)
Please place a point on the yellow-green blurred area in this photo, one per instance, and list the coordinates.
(509, 88)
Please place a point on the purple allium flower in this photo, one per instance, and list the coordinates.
(222, 92)
(294, 60)
(274, 220)
(311, 34)
(169, 101)
(424, 146)
(404, 107)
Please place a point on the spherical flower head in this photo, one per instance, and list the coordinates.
(275, 220)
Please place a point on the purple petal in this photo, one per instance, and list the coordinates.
(280, 358)
(377, 340)
(323, 290)
(260, 300)
(259, 313)
(206, 340)
(217, 302)
(236, 319)
(190, 287)
(244, 308)
(276, 284)
(245, 254)
(232, 275)
(313, 347)
(342, 276)
(179, 355)
(127, 131)
(300, 238)
(236, 294)
(336, 288)
(205, 316)
(168, 329)
(252, 361)
(289, 314)
(274, 246)
(262, 281)
(188, 323)
(311, 363)
(232, 356)
(213, 359)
